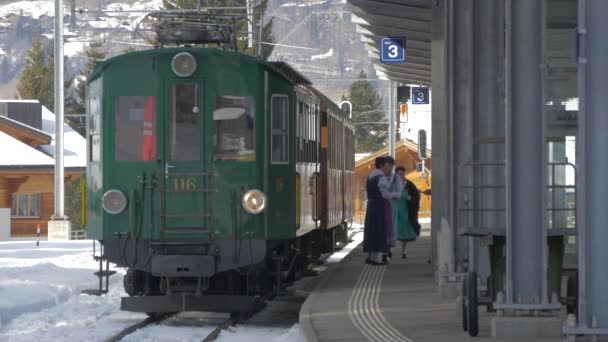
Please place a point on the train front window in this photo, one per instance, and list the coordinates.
(234, 137)
(185, 133)
(135, 128)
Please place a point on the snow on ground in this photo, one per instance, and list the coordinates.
(40, 299)
(74, 48)
(40, 294)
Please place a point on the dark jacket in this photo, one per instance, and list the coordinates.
(413, 205)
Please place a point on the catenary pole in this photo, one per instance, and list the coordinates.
(59, 197)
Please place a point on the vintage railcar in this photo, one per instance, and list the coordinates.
(212, 177)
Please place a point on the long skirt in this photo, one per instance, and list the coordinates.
(390, 241)
(375, 231)
(402, 227)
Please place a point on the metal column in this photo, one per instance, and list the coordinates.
(592, 161)
(488, 121)
(59, 207)
(391, 119)
(526, 283)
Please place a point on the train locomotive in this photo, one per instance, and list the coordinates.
(213, 177)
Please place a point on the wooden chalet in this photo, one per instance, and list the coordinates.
(27, 163)
(406, 155)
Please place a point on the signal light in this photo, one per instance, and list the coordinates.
(403, 112)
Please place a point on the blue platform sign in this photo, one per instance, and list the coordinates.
(420, 95)
(392, 50)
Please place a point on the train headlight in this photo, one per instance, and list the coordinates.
(114, 202)
(254, 201)
(183, 64)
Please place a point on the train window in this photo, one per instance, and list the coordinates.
(300, 131)
(184, 124)
(93, 124)
(306, 137)
(134, 128)
(233, 118)
(280, 143)
(317, 138)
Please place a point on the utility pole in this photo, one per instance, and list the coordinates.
(59, 214)
(391, 120)
(59, 227)
(73, 14)
(250, 24)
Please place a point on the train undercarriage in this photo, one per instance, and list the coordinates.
(230, 276)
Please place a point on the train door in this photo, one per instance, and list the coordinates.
(183, 167)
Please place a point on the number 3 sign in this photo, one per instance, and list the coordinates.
(393, 50)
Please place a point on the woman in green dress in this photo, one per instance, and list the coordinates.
(404, 210)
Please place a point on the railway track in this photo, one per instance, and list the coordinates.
(212, 336)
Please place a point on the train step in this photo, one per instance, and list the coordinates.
(95, 292)
(101, 274)
(104, 273)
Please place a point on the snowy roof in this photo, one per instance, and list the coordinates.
(17, 154)
(75, 146)
(2, 53)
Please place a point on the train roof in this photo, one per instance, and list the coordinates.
(281, 68)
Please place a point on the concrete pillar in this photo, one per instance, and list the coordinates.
(5, 195)
(452, 110)
(462, 98)
(440, 137)
(526, 162)
(593, 163)
(488, 121)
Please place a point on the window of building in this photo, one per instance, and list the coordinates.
(279, 108)
(234, 121)
(25, 206)
(184, 123)
(135, 128)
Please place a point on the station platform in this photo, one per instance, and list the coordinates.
(394, 303)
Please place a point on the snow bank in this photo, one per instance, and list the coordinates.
(40, 294)
(246, 334)
(40, 300)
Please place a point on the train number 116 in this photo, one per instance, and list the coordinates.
(184, 184)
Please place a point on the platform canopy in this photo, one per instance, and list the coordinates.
(397, 18)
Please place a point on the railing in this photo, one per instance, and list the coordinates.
(481, 207)
(78, 235)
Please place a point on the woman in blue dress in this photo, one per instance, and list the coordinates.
(405, 210)
(377, 233)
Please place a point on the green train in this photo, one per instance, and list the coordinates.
(213, 177)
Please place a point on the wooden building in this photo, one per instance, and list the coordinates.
(406, 155)
(27, 163)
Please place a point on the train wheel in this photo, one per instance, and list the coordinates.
(133, 282)
(472, 304)
(463, 303)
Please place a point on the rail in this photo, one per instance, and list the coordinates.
(481, 207)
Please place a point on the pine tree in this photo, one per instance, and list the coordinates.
(371, 126)
(95, 53)
(34, 82)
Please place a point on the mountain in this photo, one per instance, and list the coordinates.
(316, 36)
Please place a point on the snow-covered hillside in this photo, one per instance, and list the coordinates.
(315, 36)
